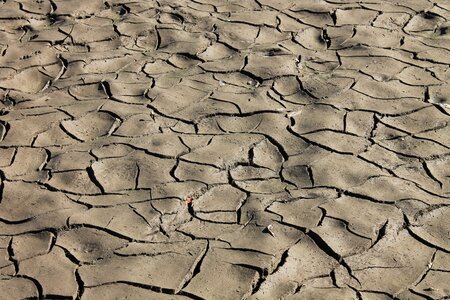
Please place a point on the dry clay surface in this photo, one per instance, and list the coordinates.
(213, 149)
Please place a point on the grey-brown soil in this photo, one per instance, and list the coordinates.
(224, 149)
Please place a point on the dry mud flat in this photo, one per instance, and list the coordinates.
(212, 149)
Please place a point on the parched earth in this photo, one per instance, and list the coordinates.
(213, 149)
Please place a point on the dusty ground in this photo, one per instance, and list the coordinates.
(212, 149)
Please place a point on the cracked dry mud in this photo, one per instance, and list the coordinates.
(211, 149)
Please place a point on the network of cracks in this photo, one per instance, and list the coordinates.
(211, 149)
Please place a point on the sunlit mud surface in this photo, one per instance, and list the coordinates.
(213, 149)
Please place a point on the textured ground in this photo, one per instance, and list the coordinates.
(212, 149)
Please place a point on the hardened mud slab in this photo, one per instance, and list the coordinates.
(224, 149)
